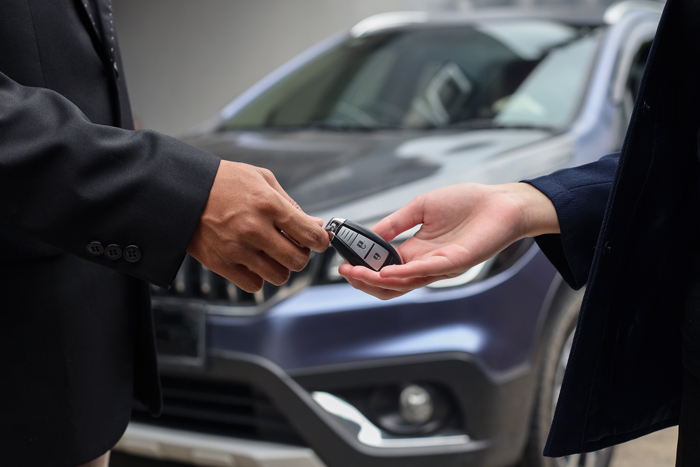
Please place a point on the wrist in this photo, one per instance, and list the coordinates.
(539, 216)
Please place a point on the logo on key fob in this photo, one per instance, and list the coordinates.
(360, 246)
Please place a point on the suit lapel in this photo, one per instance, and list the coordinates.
(98, 18)
(89, 20)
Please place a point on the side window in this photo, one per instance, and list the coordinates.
(626, 104)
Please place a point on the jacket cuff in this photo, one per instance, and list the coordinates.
(580, 196)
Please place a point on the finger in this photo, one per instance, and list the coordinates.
(285, 250)
(317, 220)
(295, 222)
(272, 181)
(441, 262)
(378, 292)
(243, 277)
(267, 268)
(302, 228)
(372, 278)
(405, 218)
(433, 266)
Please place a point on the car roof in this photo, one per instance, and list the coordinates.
(570, 14)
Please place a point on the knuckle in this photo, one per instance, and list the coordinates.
(267, 203)
(248, 228)
(320, 236)
(392, 227)
(279, 277)
(317, 237)
(251, 283)
(252, 286)
(243, 279)
(215, 264)
(299, 261)
(267, 173)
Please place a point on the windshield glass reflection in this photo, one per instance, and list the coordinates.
(511, 73)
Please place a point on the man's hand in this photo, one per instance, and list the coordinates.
(463, 225)
(239, 234)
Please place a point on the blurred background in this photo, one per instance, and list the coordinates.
(185, 59)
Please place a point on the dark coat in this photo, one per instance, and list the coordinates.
(76, 339)
(627, 230)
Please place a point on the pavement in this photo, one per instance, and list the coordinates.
(654, 450)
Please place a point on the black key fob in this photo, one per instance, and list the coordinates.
(360, 246)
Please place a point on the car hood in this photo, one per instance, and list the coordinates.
(324, 170)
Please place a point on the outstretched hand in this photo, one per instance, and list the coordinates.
(241, 233)
(462, 226)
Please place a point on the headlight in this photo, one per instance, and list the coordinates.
(477, 272)
(489, 268)
(331, 263)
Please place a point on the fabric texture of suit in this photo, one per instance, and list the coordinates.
(76, 337)
(628, 223)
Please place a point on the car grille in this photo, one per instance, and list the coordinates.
(221, 408)
(194, 281)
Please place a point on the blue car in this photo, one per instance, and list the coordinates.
(464, 372)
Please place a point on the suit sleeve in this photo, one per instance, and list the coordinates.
(580, 196)
(69, 182)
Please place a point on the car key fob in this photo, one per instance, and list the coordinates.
(360, 246)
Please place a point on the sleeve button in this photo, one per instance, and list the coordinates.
(113, 252)
(95, 248)
(132, 253)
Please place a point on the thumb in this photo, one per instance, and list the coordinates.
(405, 218)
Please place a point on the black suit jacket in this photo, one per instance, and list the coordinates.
(76, 334)
(628, 223)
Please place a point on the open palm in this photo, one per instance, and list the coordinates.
(462, 225)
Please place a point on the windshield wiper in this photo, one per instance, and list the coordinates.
(326, 126)
(494, 125)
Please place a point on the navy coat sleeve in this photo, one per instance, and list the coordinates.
(580, 195)
(68, 182)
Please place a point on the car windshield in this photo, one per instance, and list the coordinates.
(508, 73)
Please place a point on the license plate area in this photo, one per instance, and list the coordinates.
(180, 332)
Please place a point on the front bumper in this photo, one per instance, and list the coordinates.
(496, 416)
(209, 450)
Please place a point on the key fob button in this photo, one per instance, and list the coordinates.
(346, 235)
(376, 257)
(361, 245)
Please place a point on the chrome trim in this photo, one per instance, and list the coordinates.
(196, 448)
(464, 278)
(262, 304)
(334, 223)
(221, 297)
(388, 20)
(332, 226)
(370, 435)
